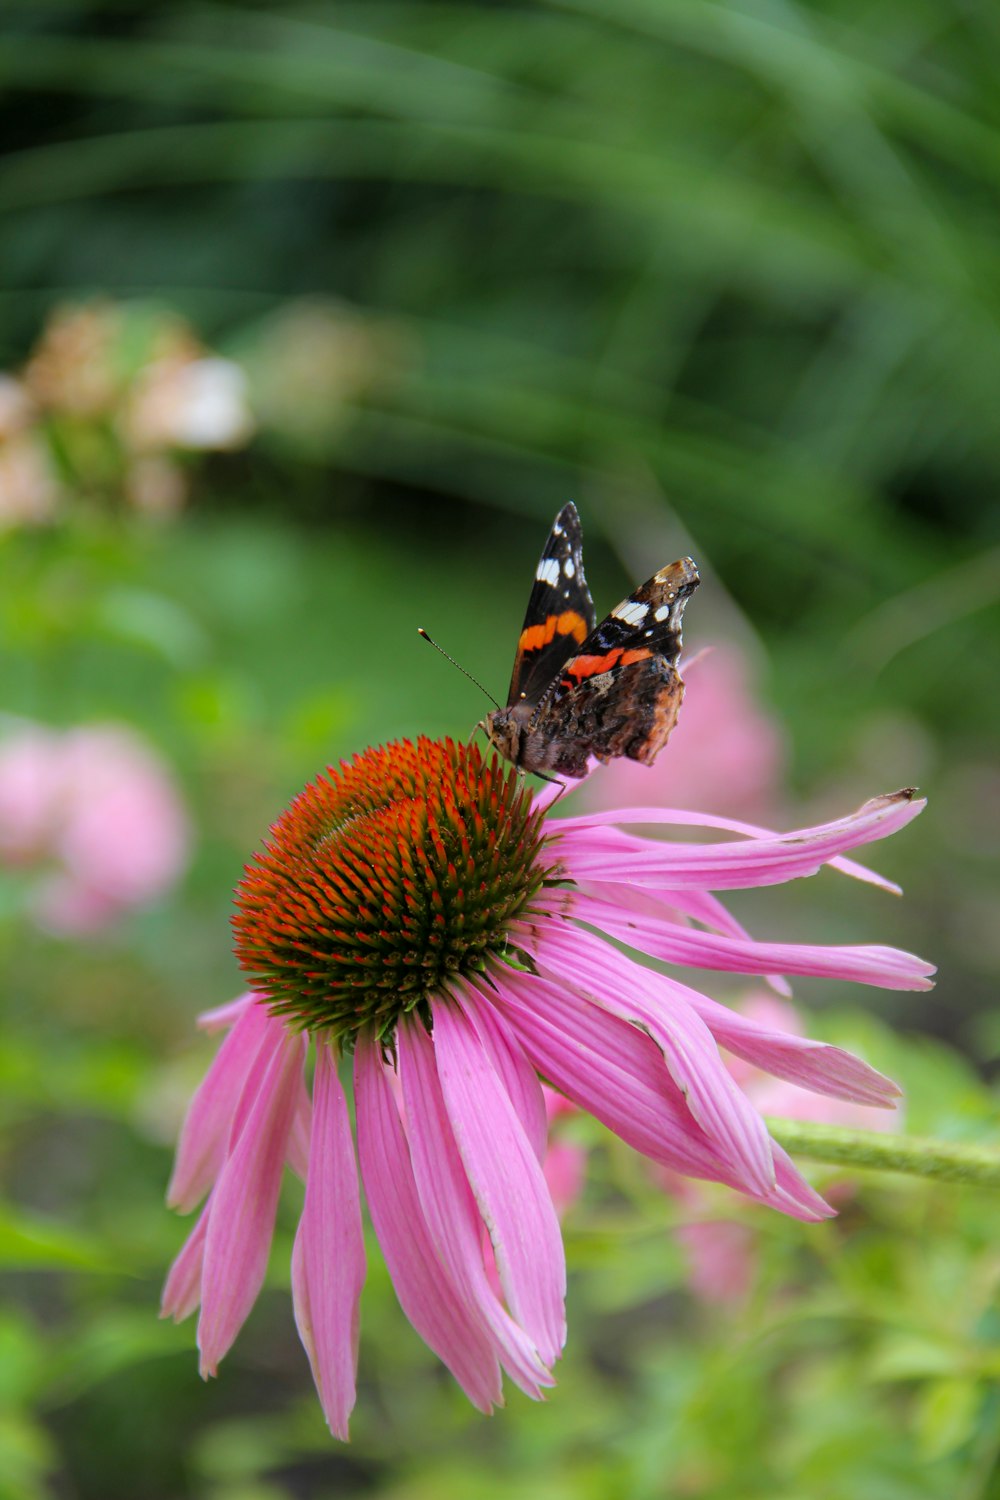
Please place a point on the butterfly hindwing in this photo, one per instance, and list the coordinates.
(620, 695)
(560, 614)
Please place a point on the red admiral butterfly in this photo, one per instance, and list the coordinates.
(577, 690)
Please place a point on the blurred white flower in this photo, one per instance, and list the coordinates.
(182, 402)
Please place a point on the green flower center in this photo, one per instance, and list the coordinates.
(387, 877)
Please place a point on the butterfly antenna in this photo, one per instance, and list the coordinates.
(421, 631)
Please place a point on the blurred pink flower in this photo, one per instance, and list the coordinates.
(726, 751)
(418, 908)
(565, 1164)
(96, 817)
(720, 1257)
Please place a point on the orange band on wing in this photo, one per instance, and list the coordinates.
(590, 666)
(534, 637)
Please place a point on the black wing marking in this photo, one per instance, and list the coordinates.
(560, 614)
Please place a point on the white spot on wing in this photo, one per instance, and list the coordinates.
(631, 612)
(569, 568)
(662, 612)
(548, 571)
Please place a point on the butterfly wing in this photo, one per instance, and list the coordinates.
(621, 693)
(560, 613)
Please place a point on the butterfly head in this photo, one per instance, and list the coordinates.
(503, 728)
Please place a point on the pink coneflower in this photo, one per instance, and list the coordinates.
(419, 908)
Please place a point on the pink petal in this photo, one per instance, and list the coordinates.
(204, 1135)
(329, 1255)
(888, 967)
(615, 1072)
(420, 1279)
(182, 1290)
(224, 1016)
(450, 1209)
(608, 1068)
(794, 1195)
(619, 985)
(245, 1201)
(506, 1178)
(700, 906)
(608, 854)
(812, 1065)
(518, 1077)
(682, 817)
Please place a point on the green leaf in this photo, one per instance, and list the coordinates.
(946, 1416)
(32, 1243)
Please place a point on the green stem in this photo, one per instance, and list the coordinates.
(917, 1155)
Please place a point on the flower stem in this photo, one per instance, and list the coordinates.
(919, 1156)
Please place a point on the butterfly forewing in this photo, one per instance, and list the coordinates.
(647, 624)
(560, 614)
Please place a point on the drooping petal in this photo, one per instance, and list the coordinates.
(245, 1201)
(329, 1256)
(590, 853)
(607, 1068)
(682, 817)
(795, 1196)
(699, 906)
(506, 1178)
(515, 1072)
(619, 985)
(889, 968)
(205, 1133)
(450, 1209)
(224, 1016)
(420, 1279)
(615, 1072)
(813, 1065)
(182, 1289)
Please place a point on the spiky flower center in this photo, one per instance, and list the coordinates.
(386, 877)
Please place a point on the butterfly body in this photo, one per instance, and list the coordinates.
(579, 689)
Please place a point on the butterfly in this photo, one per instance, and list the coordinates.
(580, 689)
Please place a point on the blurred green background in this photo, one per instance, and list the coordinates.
(726, 274)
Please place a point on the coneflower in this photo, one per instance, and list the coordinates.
(420, 910)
